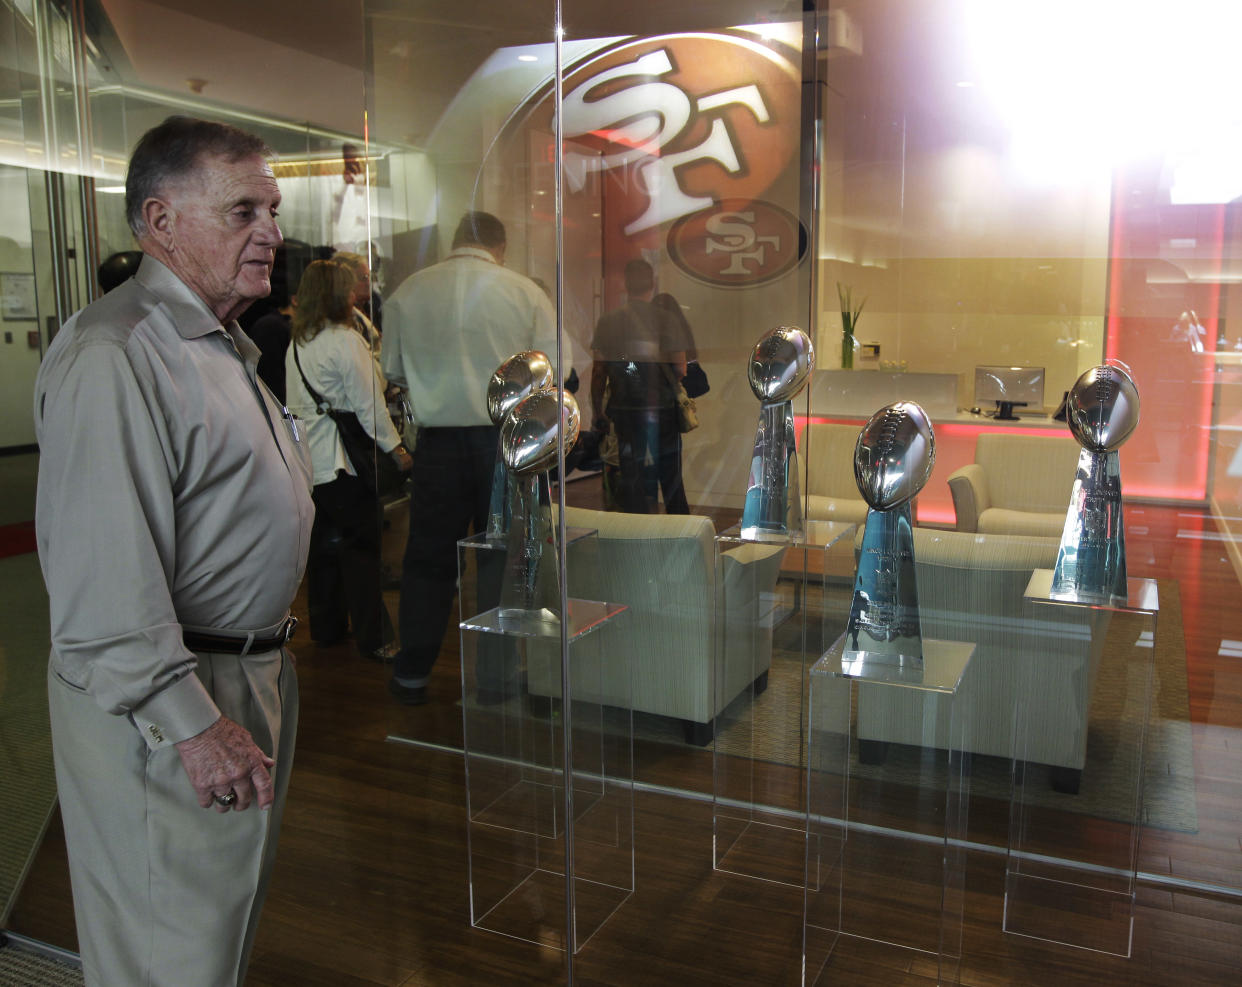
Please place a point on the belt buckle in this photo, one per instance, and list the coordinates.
(290, 626)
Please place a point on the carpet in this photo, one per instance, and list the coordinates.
(21, 968)
(25, 732)
(772, 731)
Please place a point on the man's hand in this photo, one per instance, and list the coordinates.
(224, 757)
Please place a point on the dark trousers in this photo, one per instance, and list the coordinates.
(450, 496)
(343, 568)
(650, 434)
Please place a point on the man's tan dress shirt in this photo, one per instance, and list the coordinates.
(160, 506)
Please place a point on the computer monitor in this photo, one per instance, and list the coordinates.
(1009, 387)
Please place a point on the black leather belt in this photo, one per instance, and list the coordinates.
(230, 645)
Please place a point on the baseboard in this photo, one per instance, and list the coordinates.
(15, 940)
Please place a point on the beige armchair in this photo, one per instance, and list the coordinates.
(831, 490)
(695, 618)
(1039, 662)
(1017, 485)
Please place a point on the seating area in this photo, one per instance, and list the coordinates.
(696, 635)
(669, 571)
(1010, 510)
(1042, 662)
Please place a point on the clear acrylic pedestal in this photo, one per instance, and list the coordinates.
(886, 837)
(549, 861)
(759, 803)
(1070, 876)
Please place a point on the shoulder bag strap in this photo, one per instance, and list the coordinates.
(321, 404)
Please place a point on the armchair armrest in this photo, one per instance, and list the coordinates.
(969, 486)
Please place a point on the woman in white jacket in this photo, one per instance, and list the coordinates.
(329, 355)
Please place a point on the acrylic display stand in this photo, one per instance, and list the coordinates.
(1072, 880)
(759, 802)
(550, 861)
(759, 749)
(886, 846)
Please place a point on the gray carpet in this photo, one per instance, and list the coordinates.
(25, 734)
(19, 968)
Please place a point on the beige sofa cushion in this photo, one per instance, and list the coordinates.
(831, 490)
(1028, 472)
(1000, 521)
(834, 509)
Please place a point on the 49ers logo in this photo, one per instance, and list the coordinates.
(737, 243)
(667, 127)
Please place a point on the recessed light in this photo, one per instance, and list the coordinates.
(528, 58)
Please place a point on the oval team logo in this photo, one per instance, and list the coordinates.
(737, 243)
(686, 137)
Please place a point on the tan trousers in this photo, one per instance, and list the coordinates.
(167, 894)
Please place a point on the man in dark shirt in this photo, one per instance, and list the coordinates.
(638, 361)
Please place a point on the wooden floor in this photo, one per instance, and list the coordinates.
(371, 882)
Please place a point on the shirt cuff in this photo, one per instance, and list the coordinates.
(177, 713)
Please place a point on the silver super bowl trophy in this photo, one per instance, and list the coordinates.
(1103, 411)
(893, 459)
(528, 443)
(780, 366)
(520, 376)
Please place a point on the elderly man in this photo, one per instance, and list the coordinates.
(173, 518)
(449, 326)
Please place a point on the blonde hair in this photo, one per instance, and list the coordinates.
(355, 261)
(325, 296)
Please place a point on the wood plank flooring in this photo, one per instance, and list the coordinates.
(371, 882)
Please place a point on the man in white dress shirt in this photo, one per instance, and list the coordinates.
(447, 328)
(173, 518)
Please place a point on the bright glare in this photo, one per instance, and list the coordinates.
(1090, 83)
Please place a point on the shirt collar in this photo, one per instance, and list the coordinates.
(477, 252)
(189, 313)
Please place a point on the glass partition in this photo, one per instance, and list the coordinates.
(925, 187)
(41, 222)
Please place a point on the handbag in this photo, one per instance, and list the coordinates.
(377, 471)
(687, 411)
(695, 381)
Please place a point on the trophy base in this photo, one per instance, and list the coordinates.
(774, 535)
(882, 665)
(1075, 594)
(516, 620)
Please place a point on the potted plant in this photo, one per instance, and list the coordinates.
(849, 324)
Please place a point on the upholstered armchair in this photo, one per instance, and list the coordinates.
(1017, 485)
(694, 620)
(831, 491)
(1038, 661)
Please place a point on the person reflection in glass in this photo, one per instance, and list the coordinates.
(639, 357)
